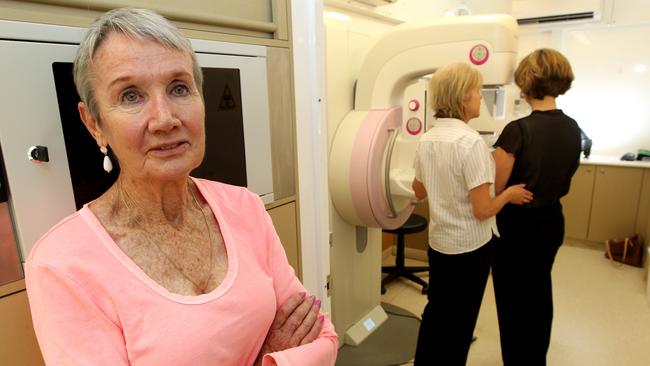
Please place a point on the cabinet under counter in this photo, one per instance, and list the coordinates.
(18, 345)
(608, 199)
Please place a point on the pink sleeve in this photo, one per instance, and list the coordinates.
(322, 351)
(70, 326)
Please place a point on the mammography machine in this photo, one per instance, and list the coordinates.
(372, 151)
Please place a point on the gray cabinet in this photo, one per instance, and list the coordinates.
(261, 19)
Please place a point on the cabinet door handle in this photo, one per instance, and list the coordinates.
(601, 171)
(588, 170)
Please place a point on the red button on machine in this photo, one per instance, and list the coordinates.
(414, 105)
(413, 125)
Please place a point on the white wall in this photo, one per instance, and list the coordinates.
(611, 94)
(311, 140)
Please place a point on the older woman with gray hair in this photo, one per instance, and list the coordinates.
(454, 168)
(163, 268)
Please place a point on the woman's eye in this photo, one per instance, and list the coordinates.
(180, 90)
(130, 96)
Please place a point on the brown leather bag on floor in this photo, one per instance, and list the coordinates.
(628, 251)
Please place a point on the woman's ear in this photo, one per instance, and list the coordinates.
(91, 124)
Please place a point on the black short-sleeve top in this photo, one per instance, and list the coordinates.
(546, 146)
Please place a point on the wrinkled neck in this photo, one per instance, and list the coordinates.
(165, 202)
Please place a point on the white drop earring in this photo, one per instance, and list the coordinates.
(108, 164)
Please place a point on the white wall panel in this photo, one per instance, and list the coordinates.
(612, 88)
(631, 11)
(309, 84)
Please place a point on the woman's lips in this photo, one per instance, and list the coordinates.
(168, 147)
(165, 150)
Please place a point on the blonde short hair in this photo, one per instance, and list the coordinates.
(449, 87)
(544, 72)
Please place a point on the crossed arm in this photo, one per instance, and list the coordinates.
(297, 322)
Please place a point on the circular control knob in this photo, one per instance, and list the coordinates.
(413, 125)
(414, 105)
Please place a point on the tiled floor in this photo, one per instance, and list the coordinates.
(602, 315)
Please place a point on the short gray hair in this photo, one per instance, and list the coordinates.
(140, 24)
(449, 86)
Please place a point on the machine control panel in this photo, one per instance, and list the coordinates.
(414, 117)
(414, 125)
(414, 105)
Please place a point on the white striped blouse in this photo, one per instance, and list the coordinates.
(451, 159)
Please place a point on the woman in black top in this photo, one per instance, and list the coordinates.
(541, 150)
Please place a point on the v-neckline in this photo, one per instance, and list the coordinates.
(231, 254)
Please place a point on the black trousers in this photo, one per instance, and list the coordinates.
(456, 286)
(521, 271)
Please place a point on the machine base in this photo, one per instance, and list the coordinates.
(364, 327)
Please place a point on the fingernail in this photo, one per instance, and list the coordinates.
(312, 297)
(302, 294)
(321, 317)
(318, 302)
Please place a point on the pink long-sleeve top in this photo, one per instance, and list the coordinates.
(92, 305)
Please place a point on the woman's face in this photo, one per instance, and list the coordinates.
(151, 113)
(472, 104)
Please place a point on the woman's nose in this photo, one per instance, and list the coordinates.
(162, 114)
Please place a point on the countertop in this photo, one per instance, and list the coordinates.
(613, 161)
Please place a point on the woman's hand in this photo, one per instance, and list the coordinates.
(518, 195)
(296, 323)
(419, 189)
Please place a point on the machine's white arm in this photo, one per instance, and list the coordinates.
(371, 160)
(415, 49)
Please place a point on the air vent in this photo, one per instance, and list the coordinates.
(589, 15)
(376, 2)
